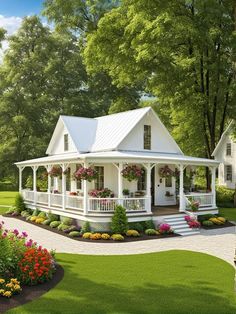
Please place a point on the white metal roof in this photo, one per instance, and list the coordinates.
(116, 156)
(101, 133)
(226, 132)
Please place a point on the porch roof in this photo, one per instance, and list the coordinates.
(118, 156)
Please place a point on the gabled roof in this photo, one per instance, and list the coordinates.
(102, 133)
(223, 136)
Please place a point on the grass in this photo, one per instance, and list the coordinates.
(6, 198)
(229, 213)
(178, 282)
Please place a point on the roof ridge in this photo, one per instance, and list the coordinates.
(122, 112)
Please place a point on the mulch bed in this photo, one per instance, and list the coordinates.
(227, 224)
(30, 293)
(143, 237)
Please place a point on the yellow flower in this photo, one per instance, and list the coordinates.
(17, 287)
(2, 281)
(15, 281)
(7, 294)
(9, 285)
(2, 291)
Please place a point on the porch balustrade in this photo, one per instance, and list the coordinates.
(77, 202)
(204, 199)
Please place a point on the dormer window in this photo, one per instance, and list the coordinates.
(66, 142)
(147, 137)
(228, 149)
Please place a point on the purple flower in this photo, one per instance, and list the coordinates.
(16, 232)
(24, 234)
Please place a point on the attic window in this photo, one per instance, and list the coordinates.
(66, 142)
(147, 137)
(228, 149)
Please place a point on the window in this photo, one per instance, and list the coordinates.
(68, 180)
(141, 184)
(66, 142)
(228, 149)
(228, 173)
(168, 182)
(147, 137)
(99, 182)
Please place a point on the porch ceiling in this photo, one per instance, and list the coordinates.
(120, 156)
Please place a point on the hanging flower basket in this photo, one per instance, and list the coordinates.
(166, 172)
(88, 174)
(132, 173)
(55, 172)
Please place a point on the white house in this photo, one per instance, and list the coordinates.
(108, 144)
(225, 153)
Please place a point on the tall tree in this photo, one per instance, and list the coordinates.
(180, 51)
(81, 17)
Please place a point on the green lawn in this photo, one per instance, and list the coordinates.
(6, 198)
(178, 282)
(229, 213)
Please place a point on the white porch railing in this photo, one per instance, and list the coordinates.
(42, 197)
(205, 200)
(108, 204)
(74, 202)
(28, 195)
(56, 200)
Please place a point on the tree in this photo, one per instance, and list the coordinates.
(182, 52)
(119, 223)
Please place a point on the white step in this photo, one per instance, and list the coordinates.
(174, 219)
(190, 232)
(176, 223)
(180, 226)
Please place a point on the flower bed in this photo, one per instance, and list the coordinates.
(22, 262)
(211, 221)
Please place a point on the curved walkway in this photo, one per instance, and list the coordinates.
(218, 242)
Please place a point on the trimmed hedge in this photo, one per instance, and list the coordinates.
(224, 196)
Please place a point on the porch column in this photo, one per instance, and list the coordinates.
(148, 168)
(181, 189)
(35, 168)
(49, 167)
(85, 191)
(120, 183)
(213, 186)
(63, 167)
(20, 177)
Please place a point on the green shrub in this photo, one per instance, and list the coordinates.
(86, 227)
(117, 237)
(149, 224)
(36, 212)
(47, 222)
(19, 203)
(150, 232)
(63, 227)
(224, 196)
(25, 213)
(74, 234)
(11, 210)
(55, 224)
(29, 218)
(53, 217)
(66, 220)
(205, 217)
(8, 186)
(119, 222)
(136, 226)
(132, 233)
(207, 223)
(42, 215)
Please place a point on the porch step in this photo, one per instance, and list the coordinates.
(180, 226)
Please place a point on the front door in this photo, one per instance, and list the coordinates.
(164, 189)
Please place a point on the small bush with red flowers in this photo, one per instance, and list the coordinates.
(132, 172)
(165, 229)
(23, 259)
(192, 222)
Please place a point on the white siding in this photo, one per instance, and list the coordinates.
(161, 141)
(58, 145)
(226, 160)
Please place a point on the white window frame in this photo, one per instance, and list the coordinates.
(99, 182)
(66, 142)
(147, 137)
(229, 174)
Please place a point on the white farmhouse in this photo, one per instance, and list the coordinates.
(108, 145)
(225, 153)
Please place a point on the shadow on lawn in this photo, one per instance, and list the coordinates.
(77, 295)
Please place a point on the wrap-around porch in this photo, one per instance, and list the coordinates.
(149, 195)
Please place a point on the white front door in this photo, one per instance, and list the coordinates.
(164, 189)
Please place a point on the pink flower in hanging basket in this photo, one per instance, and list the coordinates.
(88, 174)
(132, 172)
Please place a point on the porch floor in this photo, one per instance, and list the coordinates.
(165, 210)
